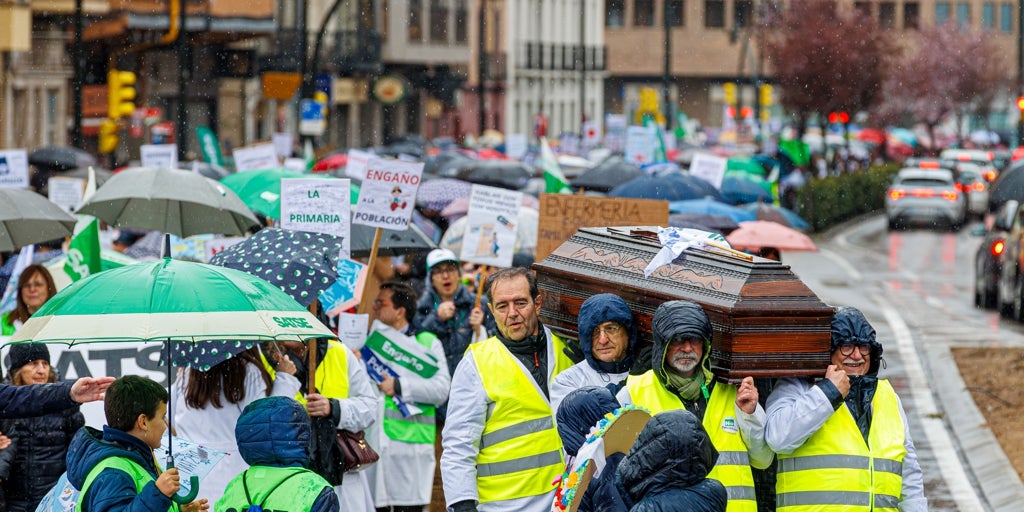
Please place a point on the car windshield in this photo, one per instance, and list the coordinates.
(921, 182)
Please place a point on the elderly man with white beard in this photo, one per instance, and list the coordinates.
(681, 378)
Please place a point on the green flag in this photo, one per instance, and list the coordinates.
(209, 146)
(554, 180)
(84, 252)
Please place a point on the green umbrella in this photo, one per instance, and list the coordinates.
(171, 201)
(796, 150)
(737, 165)
(27, 218)
(260, 189)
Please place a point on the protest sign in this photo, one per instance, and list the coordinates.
(615, 132)
(640, 145)
(164, 156)
(347, 290)
(352, 329)
(212, 247)
(14, 169)
(283, 144)
(562, 215)
(492, 220)
(319, 206)
(295, 164)
(591, 134)
(390, 353)
(569, 143)
(709, 168)
(387, 196)
(260, 156)
(68, 193)
(356, 166)
(516, 145)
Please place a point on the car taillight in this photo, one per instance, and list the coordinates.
(990, 176)
(950, 195)
(897, 194)
(997, 247)
(922, 192)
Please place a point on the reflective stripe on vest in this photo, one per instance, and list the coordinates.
(520, 450)
(295, 493)
(138, 474)
(418, 428)
(836, 467)
(733, 466)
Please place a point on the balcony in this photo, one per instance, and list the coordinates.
(283, 51)
(546, 56)
(357, 51)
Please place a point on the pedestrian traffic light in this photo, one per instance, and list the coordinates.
(729, 88)
(120, 93)
(766, 95)
(108, 136)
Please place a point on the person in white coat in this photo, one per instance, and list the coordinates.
(608, 342)
(402, 480)
(206, 406)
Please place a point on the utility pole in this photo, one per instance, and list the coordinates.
(481, 70)
(583, 62)
(76, 84)
(666, 76)
(184, 77)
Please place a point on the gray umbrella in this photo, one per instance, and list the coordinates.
(27, 218)
(60, 158)
(173, 201)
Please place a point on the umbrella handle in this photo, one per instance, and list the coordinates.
(193, 489)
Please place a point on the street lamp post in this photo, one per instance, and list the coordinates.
(666, 76)
(481, 71)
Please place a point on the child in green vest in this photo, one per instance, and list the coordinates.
(115, 469)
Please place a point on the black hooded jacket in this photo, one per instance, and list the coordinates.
(850, 326)
(687, 320)
(596, 310)
(578, 413)
(667, 468)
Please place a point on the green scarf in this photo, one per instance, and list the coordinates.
(688, 388)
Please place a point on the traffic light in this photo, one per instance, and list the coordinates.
(108, 136)
(729, 88)
(120, 93)
(766, 95)
(1020, 107)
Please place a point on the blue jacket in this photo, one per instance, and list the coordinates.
(113, 491)
(579, 412)
(275, 431)
(596, 310)
(667, 468)
(29, 401)
(35, 460)
(455, 334)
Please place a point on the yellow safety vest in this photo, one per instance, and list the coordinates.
(835, 470)
(733, 466)
(520, 450)
(334, 362)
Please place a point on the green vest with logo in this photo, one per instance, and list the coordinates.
(6, 328)
(274, 489)
(134, 470)
(418, 428)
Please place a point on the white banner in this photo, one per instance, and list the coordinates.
(516, 145)
(68, 193)
(261, 156)
(640, 145)
(709, 168)
(493, 219)
(387, 196)
(283, 144)
(319, 206)
(164, 156)
(356, 166)
(14, 169)
(591, 134)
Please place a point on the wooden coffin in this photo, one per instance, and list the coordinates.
(767, 323)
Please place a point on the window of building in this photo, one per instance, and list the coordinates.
(676, 13)
(643, 13)
(887, 14)
(615, 13)
(863, 7)
(461, 21)
(1006, 17)
(439, 21)
(988, 16)
(963, 15)
(414, 23)
(941, 13)
(743, 13)
(714, 14)
(911, 15)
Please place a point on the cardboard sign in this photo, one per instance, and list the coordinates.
(14, 169)
(516, 145)
(283, 144)
(68, 193)
(261, 156)
(318, 206)
(562, 215)
(492, 223)
(709, 168)
(356, 166)
(641, 144)
(387, 196)
(164, 156)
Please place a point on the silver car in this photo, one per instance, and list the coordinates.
(925, 197)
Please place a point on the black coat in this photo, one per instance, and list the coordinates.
(36, 457)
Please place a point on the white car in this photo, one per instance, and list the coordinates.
(971, 183)
(925, 197)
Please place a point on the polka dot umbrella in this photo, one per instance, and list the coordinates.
(299, 263)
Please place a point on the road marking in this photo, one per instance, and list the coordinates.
(925, 406)
(842, 263)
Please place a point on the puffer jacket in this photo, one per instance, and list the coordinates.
(113, 491)
(596, 310)
(36, 458)
(683, 319)
(579, 413)
(666, 469)
(455, 334)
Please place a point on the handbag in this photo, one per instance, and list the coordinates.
(357, 451)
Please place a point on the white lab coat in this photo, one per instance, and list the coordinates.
(580, 375)
(358, 412)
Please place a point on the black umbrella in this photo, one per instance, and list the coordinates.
(497, 173)
(41, 178)
(608, 174)
(717, 223)
(446, 164)
(392, 243)
(60, 158)
(671, 186)
(1008, 186)
(205, 355)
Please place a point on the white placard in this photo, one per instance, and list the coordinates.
(295, 164)
(260, 156)
(387, 196)
(352, 329)
(569, 144)
(14, 169)
(615, 131)
(164, 156)
(283, 144)
(516, 145)
(318, 206)
(356, 166)
(591, 134)
(213, 246)
(68, 193)
(640, 145)
(493, 219)
(709, 168)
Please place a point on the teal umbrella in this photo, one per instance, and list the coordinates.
(260, 189)
(744, 165)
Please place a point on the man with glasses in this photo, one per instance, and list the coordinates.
(681, 378)
(607, 340)
(844, 441)
(501, 450)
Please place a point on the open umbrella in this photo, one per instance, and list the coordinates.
(717, 223)
(1009, 185)
(260, 189)
(60, 158)
(711, 207)
(744, 165)
(747, 189)
(205, 355)
(437, 193)
(392, 242)
(753, 235)
(670, 186)
(173, 201)
(331, 162)
(606, 175)
(497, 173)
(301, 264)
(784, 216)
(27, 218)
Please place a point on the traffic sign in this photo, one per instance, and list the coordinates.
(311, 117)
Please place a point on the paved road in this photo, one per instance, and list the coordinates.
(916, 288)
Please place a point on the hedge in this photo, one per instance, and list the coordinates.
(824, 203)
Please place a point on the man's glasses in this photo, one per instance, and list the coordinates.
(378, 303)
(847, 348)
(446, 269)
(608, 330)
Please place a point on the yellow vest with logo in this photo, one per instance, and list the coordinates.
(733, 466)
(835, 470)
(520, 450)
(331, 373)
